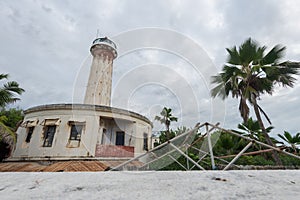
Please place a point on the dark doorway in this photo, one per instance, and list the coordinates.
(120, 138)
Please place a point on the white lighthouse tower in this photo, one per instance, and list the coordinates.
(67, 131)
(98, 91)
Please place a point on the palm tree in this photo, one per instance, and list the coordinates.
(7, 135)
(8, 91)
(291, 140)
(250, 72)
(253, 130)
(166, 118)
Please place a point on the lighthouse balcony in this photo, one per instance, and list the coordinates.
(105, 41)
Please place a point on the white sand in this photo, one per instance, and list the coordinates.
(279, 184)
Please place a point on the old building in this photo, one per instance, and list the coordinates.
(93, 130)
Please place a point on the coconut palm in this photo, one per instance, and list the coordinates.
(166, 118)
(7, 95)
(293, 141)
(253, 130)
(9, 91)
(249, 73)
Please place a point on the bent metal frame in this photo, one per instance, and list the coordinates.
(169, 152)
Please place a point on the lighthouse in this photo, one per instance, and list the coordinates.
(92, 130)
(98, 91)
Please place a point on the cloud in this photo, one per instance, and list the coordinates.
(45, 47)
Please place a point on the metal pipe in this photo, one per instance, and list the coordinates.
(178, 162)
(157, 147)
(256, 141)
(238, 155)
(182, 153)
(157, 158)
(213, 166)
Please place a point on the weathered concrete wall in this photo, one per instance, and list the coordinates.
(95, 119)
(98, 90)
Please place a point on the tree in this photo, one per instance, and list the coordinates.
(9, 91)
(228, 144)
(11, 117)
(8, 123)
(249, 73)
(7, 141)
(291, 140)
(166, 118)
(253, 130)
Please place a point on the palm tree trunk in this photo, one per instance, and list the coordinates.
(267, 137)
(168, 129)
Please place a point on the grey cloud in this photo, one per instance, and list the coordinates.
(44, 47)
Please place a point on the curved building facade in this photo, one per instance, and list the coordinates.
(80, 131)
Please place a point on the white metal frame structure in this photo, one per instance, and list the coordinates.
(170, 151)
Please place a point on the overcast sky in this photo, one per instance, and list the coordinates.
(177, 46)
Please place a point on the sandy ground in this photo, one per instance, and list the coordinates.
(277, 184)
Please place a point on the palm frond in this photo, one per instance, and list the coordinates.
(274, 55)
(219, 90)
(7, 134)
(234, 57)
(248, 52)
(13, 86)
(3, 76)
(264, 113)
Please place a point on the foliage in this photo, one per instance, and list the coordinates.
(293, 141)
(4, 150)
(253, 130)
(163, 137)
(166, 118)
(11, 117)
(254, 160)
(290, 161)
(228, 144)
(249, 73)
(7, 141)
(8, 118)
(9, 91)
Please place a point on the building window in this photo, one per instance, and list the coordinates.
(29, 134)
(76, 131)
(145, 142)
(49, 135)
(120, 138)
